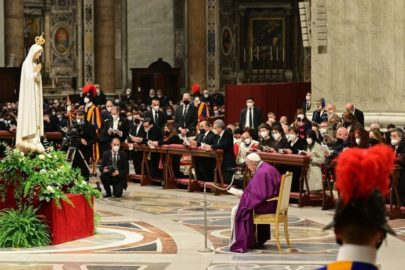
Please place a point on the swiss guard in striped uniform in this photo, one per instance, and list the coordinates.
(203, 109)
(93, 116)
(362, 179)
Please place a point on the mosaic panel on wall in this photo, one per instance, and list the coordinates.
(63, 40)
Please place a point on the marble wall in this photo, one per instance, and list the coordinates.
(364, 60)
(150, 32)
(2, 62)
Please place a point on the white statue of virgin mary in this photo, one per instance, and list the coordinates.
(30, 123)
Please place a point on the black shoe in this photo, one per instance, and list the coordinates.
(107, 196)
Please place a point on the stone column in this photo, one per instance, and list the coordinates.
(14, 32)
(105, 45)
(197, 43)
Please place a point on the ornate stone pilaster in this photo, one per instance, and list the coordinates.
(88, 41)
(213, 44)
(105, 45)
(14, 32)
(197, 42)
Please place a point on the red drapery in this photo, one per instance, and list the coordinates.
(70, 222)
(65, 224)
(280, 98)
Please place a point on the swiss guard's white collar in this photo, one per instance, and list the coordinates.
(365, 254)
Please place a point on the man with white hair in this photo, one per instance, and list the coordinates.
(264, 185)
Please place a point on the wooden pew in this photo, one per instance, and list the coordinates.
(300, 161)
(169, 179)
(8, 135)
(146, 178)
(194, 184)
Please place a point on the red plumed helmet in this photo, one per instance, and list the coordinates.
(196, 88)
(359, 172)
(90, 88)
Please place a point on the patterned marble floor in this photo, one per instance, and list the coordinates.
(153, 229)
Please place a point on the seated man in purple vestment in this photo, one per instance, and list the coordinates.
(264, 185)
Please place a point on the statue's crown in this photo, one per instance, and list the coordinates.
(39, 40)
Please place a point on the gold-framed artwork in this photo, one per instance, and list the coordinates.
(267, 43)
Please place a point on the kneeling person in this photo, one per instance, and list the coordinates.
(114, 169)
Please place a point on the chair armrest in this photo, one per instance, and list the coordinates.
(273, 199)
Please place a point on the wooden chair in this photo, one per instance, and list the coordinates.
(281, 214)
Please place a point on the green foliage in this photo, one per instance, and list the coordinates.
(82, 187)
(97, 221)
(22, 228)
(46, 176)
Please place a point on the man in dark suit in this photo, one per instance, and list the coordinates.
(100, 98)
(159, 117)
(164, 100)
(114, 169)
(136, 130)
(224, 141)
(356, 112)
(251, 117)
(186, 116)
(152, 134)
(114, 127)
(205, 166)
(88, 138)
(128, 97)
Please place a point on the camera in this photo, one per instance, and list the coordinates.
(111, 169)
(72, 137)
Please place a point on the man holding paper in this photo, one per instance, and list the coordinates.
(264, 185)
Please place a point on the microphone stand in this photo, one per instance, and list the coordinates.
(206, 248)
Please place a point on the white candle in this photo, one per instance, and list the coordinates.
(271, 53)
(276, 53)
(244, 55)
(283, 56)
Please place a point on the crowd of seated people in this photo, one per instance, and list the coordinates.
(158, 120)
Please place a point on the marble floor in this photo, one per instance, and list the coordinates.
(155, 229)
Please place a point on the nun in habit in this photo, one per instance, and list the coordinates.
(30, 123)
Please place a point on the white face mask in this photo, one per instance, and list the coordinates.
(309, 141)
(394, 142)
(264, 134)
(249, 104)
(292, 137)
(79, 121)
(86, 100)
(358, 141)
(128, 92)
(276, 136)
(322, 131)
(156, 108)
(247, 141)
(115, 148)
(197, 99)
(109, 109)
(129, 118)
(206, 95)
